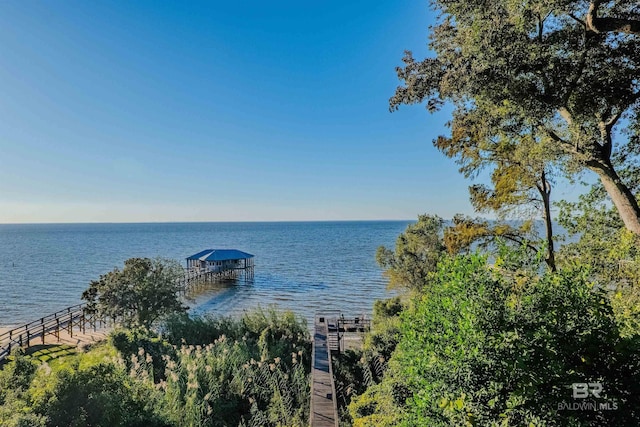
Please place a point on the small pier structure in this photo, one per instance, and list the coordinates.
(211, 265)
(332, 333)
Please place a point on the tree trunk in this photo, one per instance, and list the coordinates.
(624, 201)
(545, 192)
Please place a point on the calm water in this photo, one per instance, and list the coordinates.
(299, 265)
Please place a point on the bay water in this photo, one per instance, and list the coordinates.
(300, 266)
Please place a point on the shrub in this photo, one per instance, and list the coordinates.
(258, 375)
(130, 342)
(484, 346)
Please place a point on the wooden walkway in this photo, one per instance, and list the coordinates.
(73, 325)
(324, 410)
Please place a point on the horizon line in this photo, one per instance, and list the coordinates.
(205, 222)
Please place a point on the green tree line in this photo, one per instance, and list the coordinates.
(497, 325)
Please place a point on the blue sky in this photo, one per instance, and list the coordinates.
(214, 111)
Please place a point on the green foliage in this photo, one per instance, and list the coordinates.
(77, 390)
(257, 375)
(531, 78)
(502, 346)
(17, 375)
(611, 251)
(371, 409)
(193, 330)
(15, 379)
(100, 395)
(349, 379)
(139, 294)
(465, 232)
(271, 331)
(522, 163)
(134, 341)
(387, 308)
(355, 371)
(381, 341)
(592, 219)
(417, 252)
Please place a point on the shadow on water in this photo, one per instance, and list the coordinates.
(206, 297)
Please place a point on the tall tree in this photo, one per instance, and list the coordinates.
(569, 68)
(522, 162)
(143, 291)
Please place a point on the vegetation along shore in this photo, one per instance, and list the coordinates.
(492, 323)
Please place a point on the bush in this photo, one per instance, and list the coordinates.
(258, 375)
(15, 380)
(130, 342)
(483, 346)
(387, 307)
(100, 395)
(248, 371)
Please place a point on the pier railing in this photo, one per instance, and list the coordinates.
(79, 316)
(76, 316)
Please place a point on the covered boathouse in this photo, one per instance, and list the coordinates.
(220, 261)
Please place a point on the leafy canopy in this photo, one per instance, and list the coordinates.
(417, 252)
(562, 71)
(501, 345)
(139, 294)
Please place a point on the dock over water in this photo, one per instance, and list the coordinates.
(212, 265)
(324, 410)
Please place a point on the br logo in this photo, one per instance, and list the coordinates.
(583, 390)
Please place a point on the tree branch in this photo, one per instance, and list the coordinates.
(540, 28)
(613, 120)
(520, 241)
(555, 136)
(609, 25)
(576, 76)
(567, 146)
(580, 21)
(607, 142)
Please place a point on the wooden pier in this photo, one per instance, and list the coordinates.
(214, 265)
(324, 410)
(333, 333)
(72, 325)
(194, 278)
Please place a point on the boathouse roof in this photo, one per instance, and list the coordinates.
(220, 255)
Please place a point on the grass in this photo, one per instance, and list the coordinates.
(45, 353)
